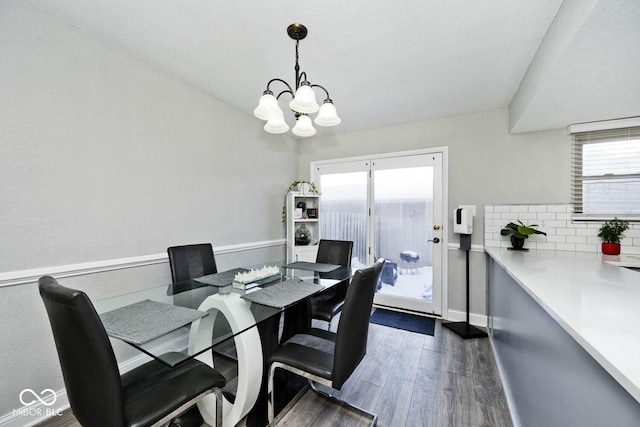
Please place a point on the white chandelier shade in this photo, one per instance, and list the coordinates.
(268, 107)
(276, 124)
(303, 128)
(327, 116)
(303, 102)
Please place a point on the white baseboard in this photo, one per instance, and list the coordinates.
(461, 316)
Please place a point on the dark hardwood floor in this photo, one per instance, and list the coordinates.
(408, 379)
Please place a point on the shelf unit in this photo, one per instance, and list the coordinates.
(298, 252)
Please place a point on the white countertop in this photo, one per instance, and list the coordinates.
(594, 300)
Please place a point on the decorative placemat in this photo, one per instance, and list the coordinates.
(145, 320)
(283, 294)
(313, 266)
(221, 279)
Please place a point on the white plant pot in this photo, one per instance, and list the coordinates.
(304, 187)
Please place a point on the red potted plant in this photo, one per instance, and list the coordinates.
(611, 232)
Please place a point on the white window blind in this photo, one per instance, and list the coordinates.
(605, 169)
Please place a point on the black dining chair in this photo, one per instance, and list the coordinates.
(326, 306)
(326, 357)
(151, 394)
(191, 261)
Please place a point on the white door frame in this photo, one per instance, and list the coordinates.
(444, 303)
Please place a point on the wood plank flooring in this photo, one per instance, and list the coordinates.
(408, 379)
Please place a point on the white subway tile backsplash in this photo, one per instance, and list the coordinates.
(579, 225)
(538, 208)
(632, 233)
(565, 246)
(587, 248)
(558, 208)
(555, 220)
(556, 238)
(566, 231)
(594, 240)
(526, 217)
(556, 223)
(577, 239)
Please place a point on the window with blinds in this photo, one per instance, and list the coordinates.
(605, 168)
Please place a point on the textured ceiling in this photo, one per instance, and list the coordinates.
(383, 62)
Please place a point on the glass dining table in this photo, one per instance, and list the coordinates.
(175, 322)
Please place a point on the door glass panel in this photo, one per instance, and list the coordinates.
(388, 206)
(404, 218)
(343, 207)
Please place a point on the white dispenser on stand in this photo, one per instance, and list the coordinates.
(463, 225)
(463, 219)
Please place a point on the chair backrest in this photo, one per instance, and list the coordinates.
(335, 252)
(191, 261)
(89, 366)
(353, 329)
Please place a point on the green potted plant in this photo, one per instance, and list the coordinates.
(302, 186)
(611, 232)
(518, 233)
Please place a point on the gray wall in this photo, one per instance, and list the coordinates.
(104, 157)
(486, 165)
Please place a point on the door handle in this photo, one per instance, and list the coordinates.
(434, 240)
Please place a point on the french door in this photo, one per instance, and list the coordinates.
(391, 207)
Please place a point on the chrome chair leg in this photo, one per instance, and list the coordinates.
(343, 403)
(218, 393)
(271, 398)
(312, 379)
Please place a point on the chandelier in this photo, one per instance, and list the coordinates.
(303, 103)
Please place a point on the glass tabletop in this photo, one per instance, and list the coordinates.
(162, 321)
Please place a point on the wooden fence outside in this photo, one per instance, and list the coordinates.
(399, 226)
